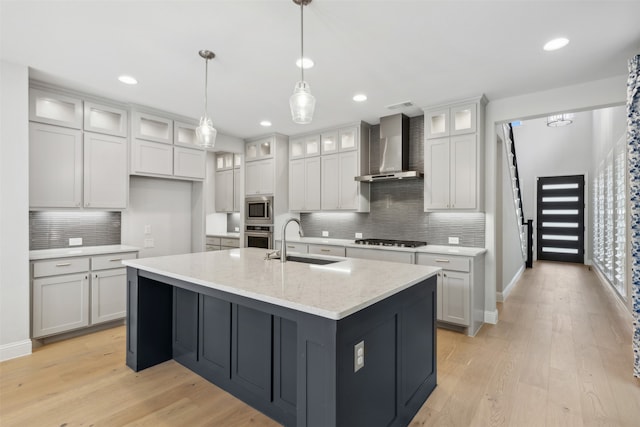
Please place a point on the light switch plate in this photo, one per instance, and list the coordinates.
(325, 234)
(358, 235)
(454, 240)
(75, 241)
(149, 243)
(147, 229)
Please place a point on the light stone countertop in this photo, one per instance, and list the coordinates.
(435, 249)
(333, 291)
(80, 251)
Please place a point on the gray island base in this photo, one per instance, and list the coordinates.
(284, 337)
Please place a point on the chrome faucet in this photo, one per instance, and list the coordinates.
(283, 242)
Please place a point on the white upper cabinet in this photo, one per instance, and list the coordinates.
(55, 166)
(224, 190)
(304, 184)
(452, 156)
(259, 149)
(151, 127)
(225, 161)
(106, 177)
(339, 190)
(105, 119)
(348, 138)
(55, 109)
(259, 177)
(151, 158)
(188, 162)
(306, 146)
(184, 134)
(329, 142)
(449, 121)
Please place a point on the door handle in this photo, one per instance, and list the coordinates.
(65, 264)
(442, 260)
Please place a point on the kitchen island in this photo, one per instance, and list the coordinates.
(348, 343)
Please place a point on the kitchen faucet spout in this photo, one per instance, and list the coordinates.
(283, 242)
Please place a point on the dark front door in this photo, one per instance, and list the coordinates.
(560, 222)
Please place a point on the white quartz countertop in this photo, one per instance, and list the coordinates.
(333, 291)
(435, 249)
(228, 234)
(80, 251)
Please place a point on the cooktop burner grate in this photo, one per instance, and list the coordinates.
(390, 242)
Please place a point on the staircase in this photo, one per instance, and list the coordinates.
(526, 227)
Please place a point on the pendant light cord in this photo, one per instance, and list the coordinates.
(206, 73)
(302, 38)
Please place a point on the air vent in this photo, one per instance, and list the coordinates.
(404, 104)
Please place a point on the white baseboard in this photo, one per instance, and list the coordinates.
(15, 349)
(491, 317)
(502, 296)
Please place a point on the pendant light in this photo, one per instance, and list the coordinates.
(302, 103)
(205, 132)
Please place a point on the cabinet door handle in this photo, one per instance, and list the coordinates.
(444, 274)
(290, 247)
(64, 264)
(86, 277)
(325, 250)
(442, 260)
(115, 259)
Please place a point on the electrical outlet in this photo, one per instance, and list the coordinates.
(325, 234)
(237, 229)
(358, 235)
(358, 356)
(149, 243)
(75, 241)
(454, 240)
(147, 229)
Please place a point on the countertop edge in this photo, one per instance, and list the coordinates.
(81, 251)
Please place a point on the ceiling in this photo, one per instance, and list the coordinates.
(394, 51)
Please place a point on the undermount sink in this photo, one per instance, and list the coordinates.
(307, 260)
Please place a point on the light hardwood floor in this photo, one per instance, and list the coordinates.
(560, 356)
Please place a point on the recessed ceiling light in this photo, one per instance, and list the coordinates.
(361, 97)
(265, 123)
(128, 80)
(556, 44)
(306, 63)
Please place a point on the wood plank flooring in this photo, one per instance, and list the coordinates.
(560, 356)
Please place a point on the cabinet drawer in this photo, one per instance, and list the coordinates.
(300, 248)
(380, 255)
(446, 262)
(213, 240)
(233, 243)
(327, 250)
(104, 262)
(57, 266)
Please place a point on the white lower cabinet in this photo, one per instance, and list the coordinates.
(108, 295)
(72, 293)
(460, 289)
(327, 250)
(301, 248)
(60, 303)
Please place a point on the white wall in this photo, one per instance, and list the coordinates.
(166, 206)
(14, 211)
(580, 97)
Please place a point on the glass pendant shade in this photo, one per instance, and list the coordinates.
(302, 103)
(206, 133)
(560, 120)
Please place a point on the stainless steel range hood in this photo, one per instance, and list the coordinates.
(394, 151)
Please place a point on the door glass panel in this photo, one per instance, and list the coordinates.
(347, 140)
(296, 149)
(252, 151)
(55, 109)
(312, 146)
(265, 148)
(329, 143)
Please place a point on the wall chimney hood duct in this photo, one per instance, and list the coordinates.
(394, 151)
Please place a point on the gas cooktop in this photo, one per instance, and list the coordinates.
(390, 242)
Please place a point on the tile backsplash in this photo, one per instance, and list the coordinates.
(53, 229)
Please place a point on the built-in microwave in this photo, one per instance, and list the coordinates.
(259, 210)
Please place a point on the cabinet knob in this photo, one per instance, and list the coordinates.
(444, 274)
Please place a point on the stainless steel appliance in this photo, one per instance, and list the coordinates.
(259, 210)
(389, 242)
(258, 236)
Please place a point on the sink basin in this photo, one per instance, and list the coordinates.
(307, 260)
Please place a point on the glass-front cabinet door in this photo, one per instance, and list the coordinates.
(463, 119)
(329, 142)
(348, 138)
